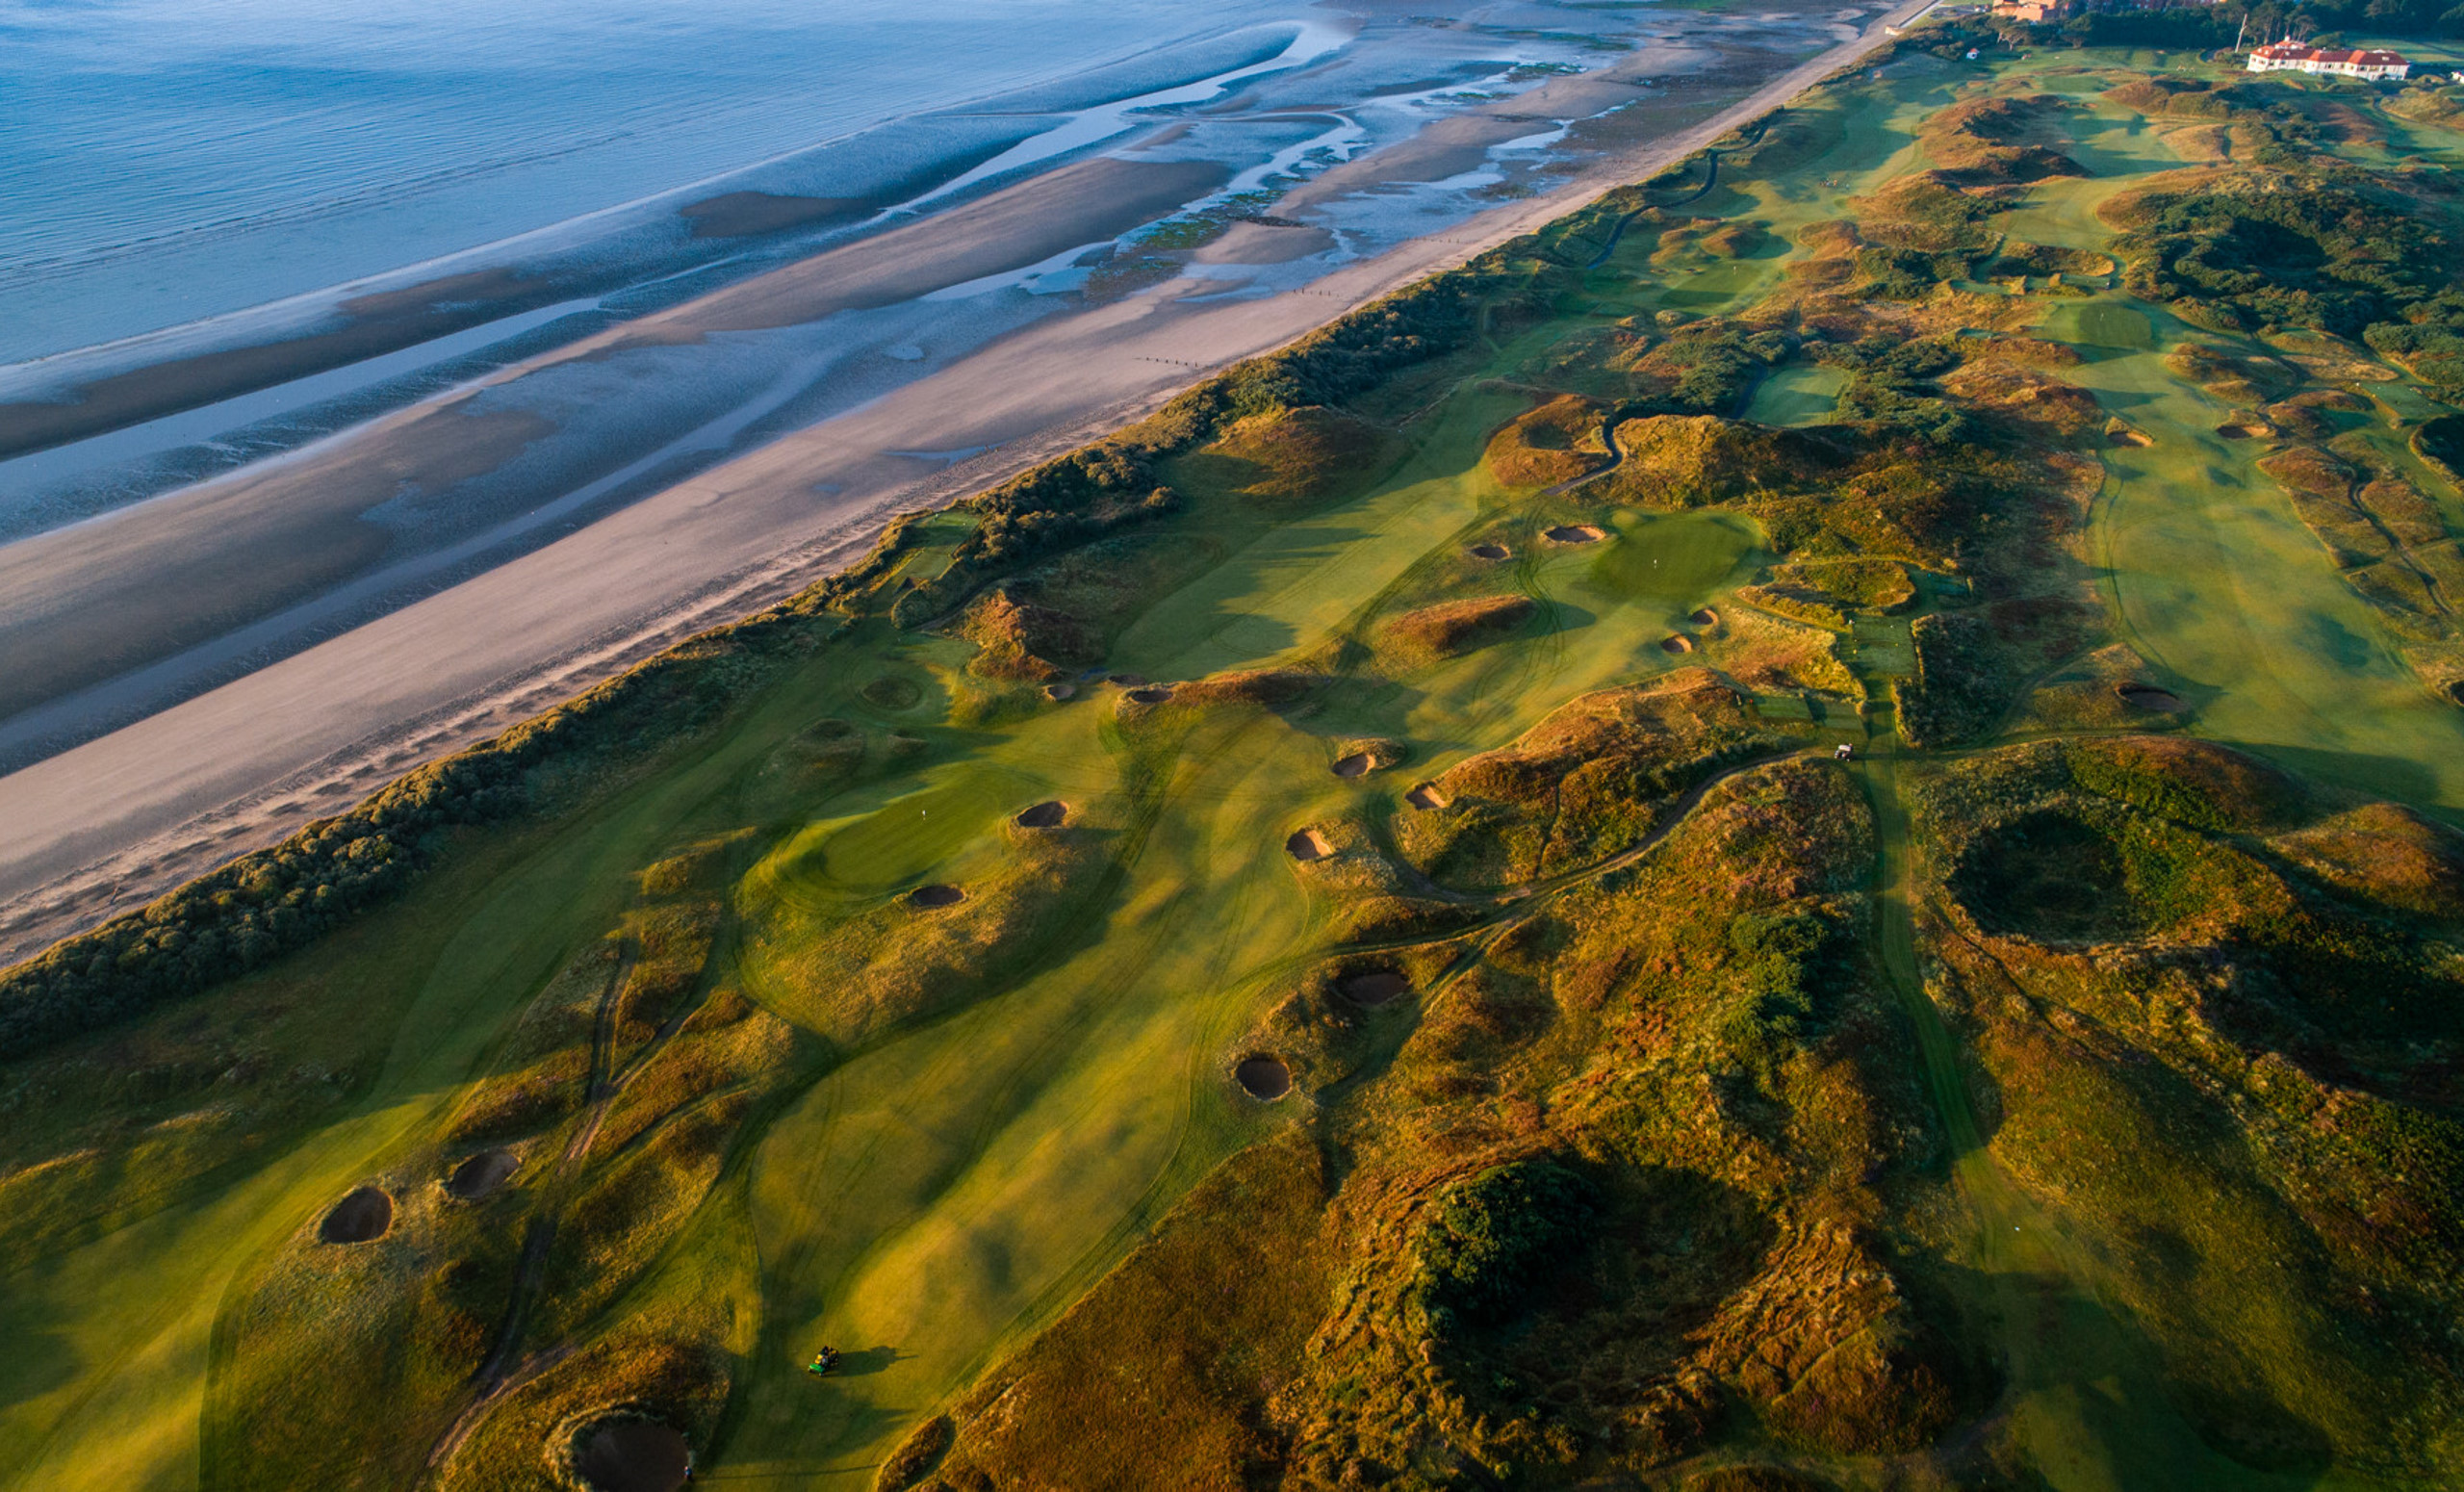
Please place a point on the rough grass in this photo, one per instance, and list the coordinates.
(1449, 628)
(1554, 443)
(1582, 782)
(1289, 460)
(1680, 461)
(1163, 1374)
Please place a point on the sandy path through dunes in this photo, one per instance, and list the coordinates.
(113, 822)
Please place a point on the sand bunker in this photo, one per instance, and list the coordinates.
(1357, 764)
(1707, 617)
(482, 1174)
(1152, 694)
(2244, 430)
(1376, 988)
(1491, 552)
(1677, 642)
(1574, 533)
(632, 1455)
(1425, 796)
(2146, 696)
(360, 1218)
(1264, 1078)
(2455, 691)
(1059, 691)
(936, 896)
(2127, 436)
(1308, 844)
(1044, 815)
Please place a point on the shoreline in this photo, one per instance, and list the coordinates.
(94, 606)
(274, 750)
(673, 232)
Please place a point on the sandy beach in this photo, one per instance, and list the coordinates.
(110, 822)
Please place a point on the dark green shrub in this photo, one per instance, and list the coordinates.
(1488, 1237)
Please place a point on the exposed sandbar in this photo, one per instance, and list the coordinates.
(373, 326)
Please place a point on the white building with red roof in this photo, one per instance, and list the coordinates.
(2333, 61)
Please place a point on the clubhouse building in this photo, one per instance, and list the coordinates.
(2294, 57)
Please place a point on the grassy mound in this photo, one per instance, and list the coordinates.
(1291, 459)
(1829, 592)
(1026, 642)
(1586, 781)
(1554, 443)
(1686, 460)
(1452, 627)
(1998, 142)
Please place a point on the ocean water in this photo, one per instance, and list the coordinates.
(168, 163)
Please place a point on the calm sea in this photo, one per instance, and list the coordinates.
(165, 161)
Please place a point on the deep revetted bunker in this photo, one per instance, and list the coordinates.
(1263, 1077)
(1308, 844)
(2147, 696)
(892, 692)
(1048, 814)
(1376, 987)
(363, 1217)
(937, 895)
(1357, 764)
(482, 1174)
(632, 1455)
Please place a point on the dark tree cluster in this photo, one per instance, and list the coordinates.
(1891, 396)
(2296, 253)
(1491, 1236)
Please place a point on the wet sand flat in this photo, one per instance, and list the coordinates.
(82, 603)
(372, 326)
(1078, 204)
(87, 603)
(108, 824)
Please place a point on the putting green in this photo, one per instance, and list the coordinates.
(1680, 561)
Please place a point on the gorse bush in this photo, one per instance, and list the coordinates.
(2294, 251)
(1488, 1237)
(1775, 971)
